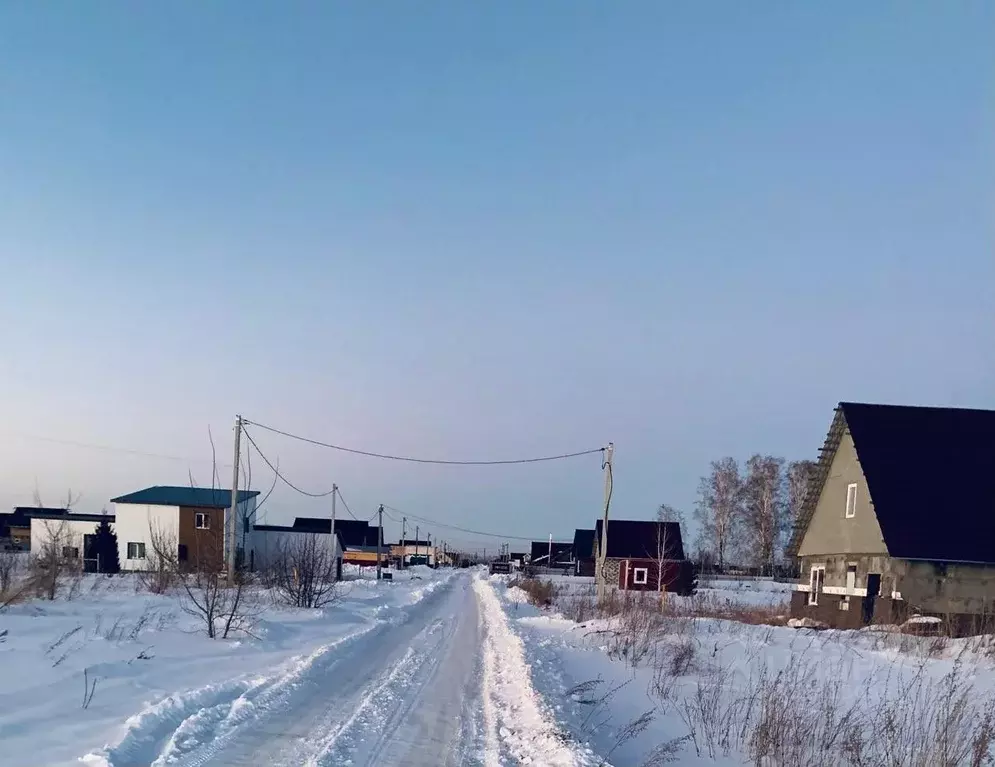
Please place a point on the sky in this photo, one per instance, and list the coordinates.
(483, 231)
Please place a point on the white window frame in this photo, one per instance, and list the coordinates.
(139, 550)
(813, 588)
(201, 520)
(851, 500)
(635, 576)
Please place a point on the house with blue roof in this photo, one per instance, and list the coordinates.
(192, 523)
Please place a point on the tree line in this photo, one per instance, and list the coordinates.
(746, 513)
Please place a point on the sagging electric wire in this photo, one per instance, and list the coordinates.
(276, 470)
(447, 526)
(435, 461)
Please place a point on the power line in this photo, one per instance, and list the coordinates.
(277, 471)
(448, 526)
(113, 449)
(346, 505)
(410, 459)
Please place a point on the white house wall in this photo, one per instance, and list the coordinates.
(134, 523)
(69, 532)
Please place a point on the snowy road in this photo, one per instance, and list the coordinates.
(442, 682)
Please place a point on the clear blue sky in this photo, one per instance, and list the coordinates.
(484, 230)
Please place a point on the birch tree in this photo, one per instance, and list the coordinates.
(719, 507)
(797, 478)
(764, 507)
(665, 514)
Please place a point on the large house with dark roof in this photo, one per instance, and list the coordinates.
(900, 518)
(193, 519)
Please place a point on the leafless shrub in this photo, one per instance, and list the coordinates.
(162, 562)
(10, 567)
(541, 593)
(222, 609)
(806, 715)
(665, 753)
(52, 562)
(304, 572)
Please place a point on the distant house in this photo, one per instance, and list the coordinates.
(900, 518)
(74, 535)
(270, 542)
(562, 555)
(359, 538)
(517, 559)
(645, 556)
(191, 519)
(15, 528)
(583, 551)
(413, 552)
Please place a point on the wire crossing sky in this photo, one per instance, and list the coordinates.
(483, 231)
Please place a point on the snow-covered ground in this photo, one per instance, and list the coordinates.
(424, 670)
(645, 689)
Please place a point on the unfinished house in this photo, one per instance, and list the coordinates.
(900, 519)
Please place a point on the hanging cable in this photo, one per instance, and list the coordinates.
(276, 471)
(448, 526)
(410, 459)
(346, 505)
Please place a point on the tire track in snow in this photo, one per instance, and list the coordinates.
(193, 727)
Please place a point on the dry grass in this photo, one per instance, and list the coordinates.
(541, 593)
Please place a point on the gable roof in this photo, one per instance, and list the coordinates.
(638, 539)
(946, 514)
(170, 495)
(583, 544)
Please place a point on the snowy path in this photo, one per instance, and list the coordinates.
(441, 683)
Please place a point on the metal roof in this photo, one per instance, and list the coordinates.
(200, 497)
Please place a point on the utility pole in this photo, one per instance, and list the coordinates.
(602, 586)
(428, 539)
(417, 529)
(334, 544)
(233, 515)
(404, 543)
(549, 560)
(379, 539)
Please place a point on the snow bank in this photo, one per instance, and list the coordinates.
(515, 719)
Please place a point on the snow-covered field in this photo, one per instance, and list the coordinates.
(645, 689)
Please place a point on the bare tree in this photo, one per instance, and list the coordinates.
(161, 561)
(70, 501)
(763, 507)
(665, 515)
(54, 560)
(304, 571)
(719, 508)
(797, 478)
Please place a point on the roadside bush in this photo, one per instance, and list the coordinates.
(303, 573)
(541, 593)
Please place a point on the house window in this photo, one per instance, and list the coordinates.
(70, 552)
(640, 575)
(201, 521)
(851, 500)
(816, 579)
(136, 550)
